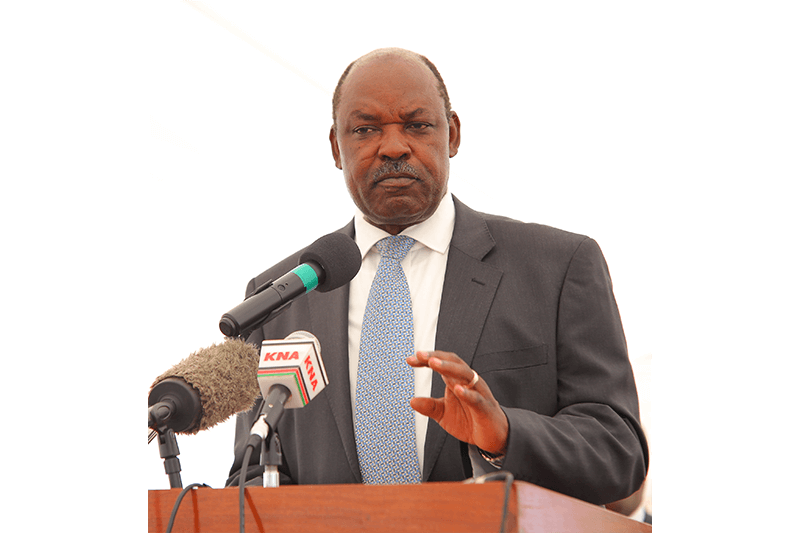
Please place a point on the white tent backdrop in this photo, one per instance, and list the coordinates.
(555, 101)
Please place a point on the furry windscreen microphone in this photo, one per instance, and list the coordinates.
(224, 376)
(327, 264)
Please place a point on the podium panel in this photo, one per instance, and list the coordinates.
(428, 507)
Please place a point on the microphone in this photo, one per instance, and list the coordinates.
(206, 388)
(295, 363)
(327, 264)
(290, 374)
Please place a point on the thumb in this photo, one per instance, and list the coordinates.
(426, 406)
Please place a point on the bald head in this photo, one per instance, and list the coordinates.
(383, 53)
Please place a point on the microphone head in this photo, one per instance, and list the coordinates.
(339, 257)
(305, 335)
(296, 363)
(225, 377)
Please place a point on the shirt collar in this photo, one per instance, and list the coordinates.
(434, 233)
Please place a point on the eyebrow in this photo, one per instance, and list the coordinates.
(362, 115)
(412, 114)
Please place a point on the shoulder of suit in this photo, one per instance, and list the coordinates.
(513, 239)
(503, 228)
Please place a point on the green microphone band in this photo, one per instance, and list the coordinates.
(307, 276)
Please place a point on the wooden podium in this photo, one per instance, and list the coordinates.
(429, 507)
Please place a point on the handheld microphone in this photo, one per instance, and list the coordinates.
(206, 388)
(327, 264)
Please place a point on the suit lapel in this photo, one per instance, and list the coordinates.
(469, 289)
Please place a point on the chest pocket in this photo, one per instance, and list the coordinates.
(511, 359)
(520, 378)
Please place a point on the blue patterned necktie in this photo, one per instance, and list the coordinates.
(384, 422)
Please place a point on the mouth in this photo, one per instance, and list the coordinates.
(395, 181)
(395, 174)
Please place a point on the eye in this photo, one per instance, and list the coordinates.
(363, 130)
(418, 126)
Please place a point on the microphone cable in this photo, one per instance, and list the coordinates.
(175, 507)
(508, 477)
(242, 481)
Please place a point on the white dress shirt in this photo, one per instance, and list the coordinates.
(424, 267)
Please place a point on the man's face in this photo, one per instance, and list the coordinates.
(393, 141)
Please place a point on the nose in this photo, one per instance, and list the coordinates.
(394, 144)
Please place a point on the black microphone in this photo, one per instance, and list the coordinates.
(327, 264)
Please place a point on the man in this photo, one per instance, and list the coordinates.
(519, 358)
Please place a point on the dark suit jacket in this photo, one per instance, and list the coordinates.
(531, 309)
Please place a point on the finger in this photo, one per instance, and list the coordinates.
(430, 407)
(450, 366)
(444, 356)
(419, 359)
(453, 372)
(469, 396)
(422, 357)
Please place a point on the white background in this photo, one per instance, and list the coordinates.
(555, 101)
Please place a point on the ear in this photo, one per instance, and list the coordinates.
(455, 134)
(335, 148)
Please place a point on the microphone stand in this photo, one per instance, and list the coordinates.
(265, 433)
(271, 458)
(265, 428)
(173, 403)
(168, 449)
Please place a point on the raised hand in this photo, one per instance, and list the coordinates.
(468, 411)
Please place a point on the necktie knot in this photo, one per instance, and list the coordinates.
(395, 246)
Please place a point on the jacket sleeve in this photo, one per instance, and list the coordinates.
(593, 447)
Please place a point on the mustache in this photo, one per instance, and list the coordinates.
(391, 168)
